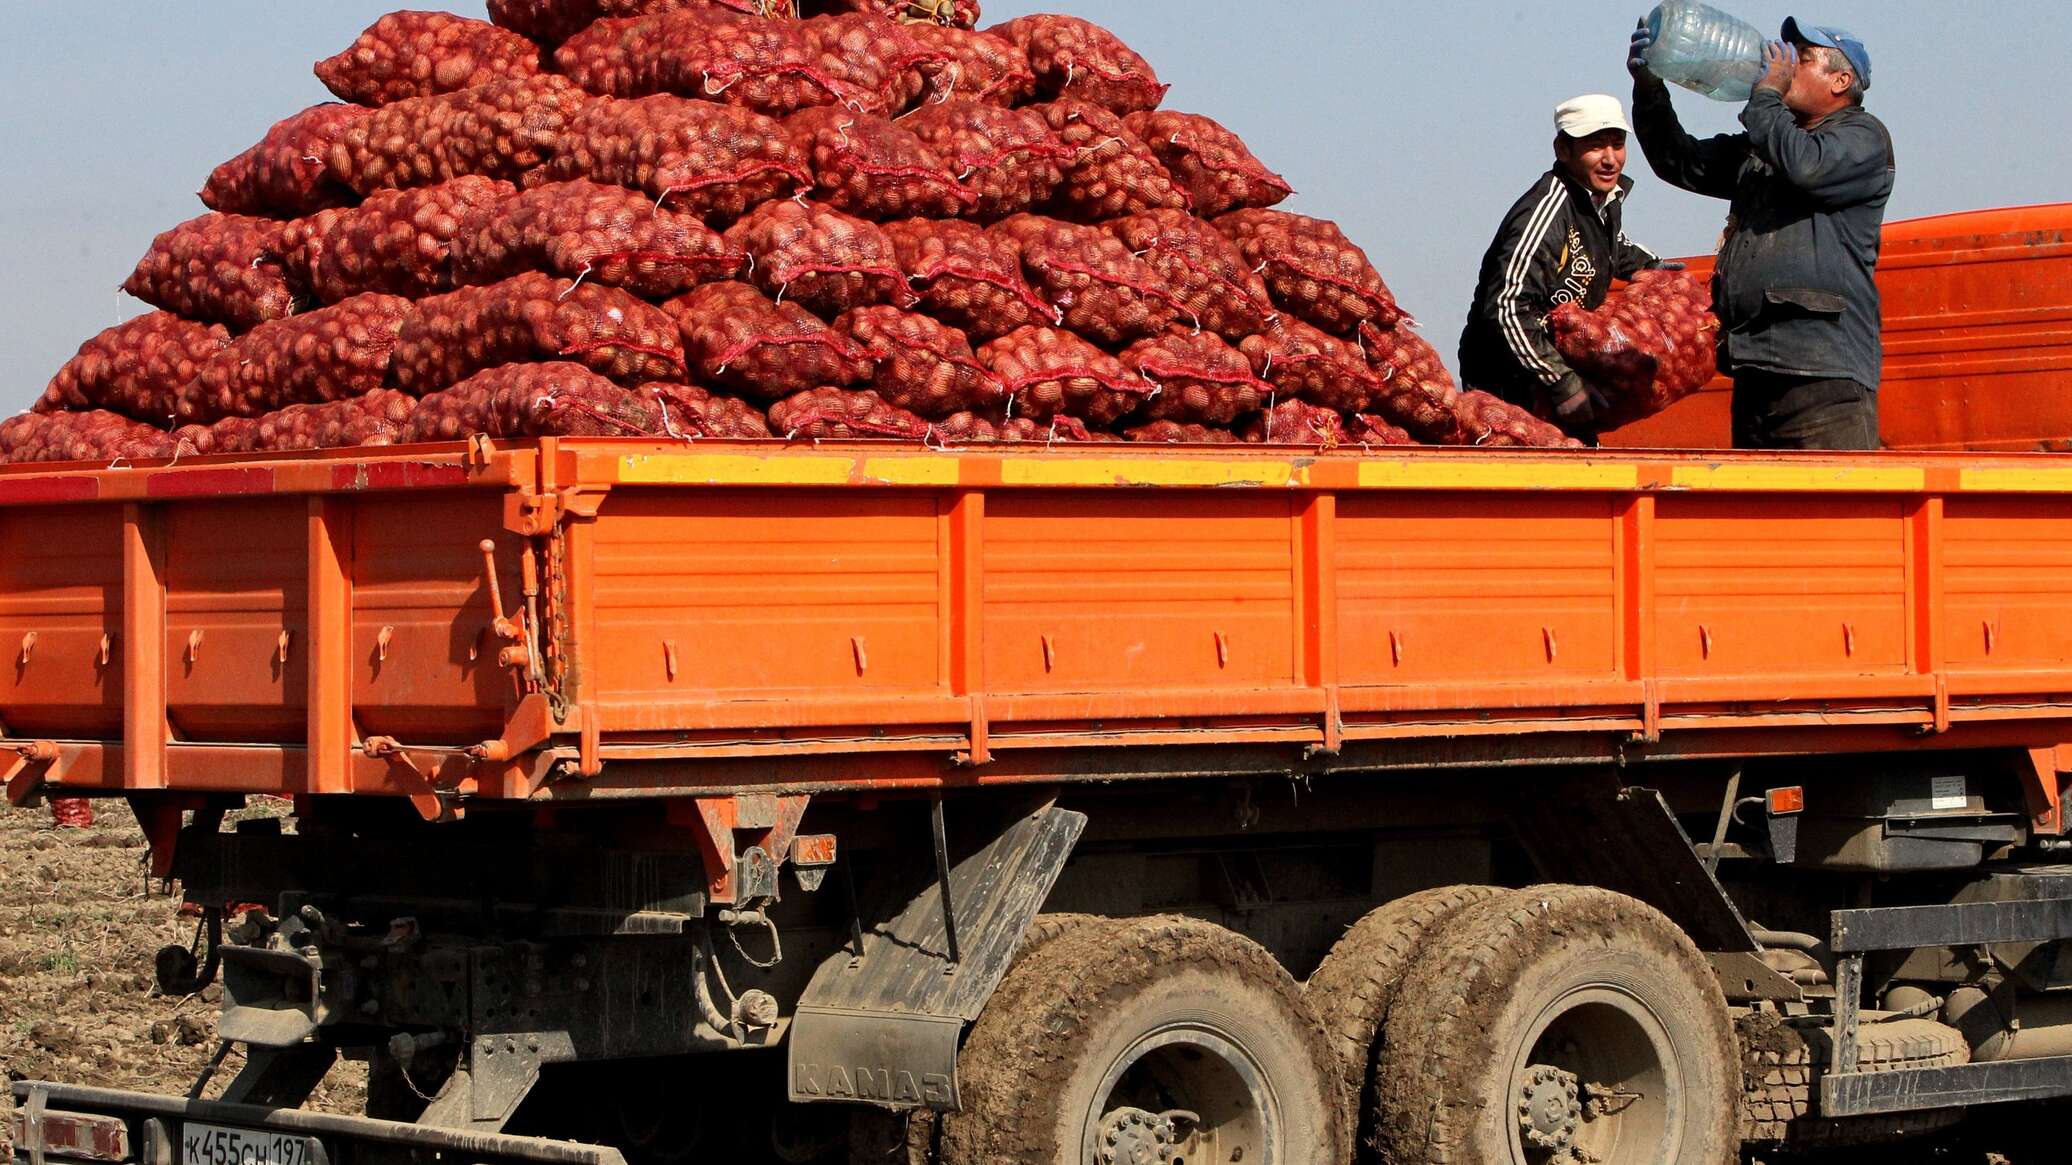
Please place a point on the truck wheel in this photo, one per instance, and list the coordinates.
(1354, 986)
(1781, 1067)
(1553, 1024)
(878, 1137)
(1163, 1039)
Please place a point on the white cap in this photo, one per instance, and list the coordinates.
(1579, 117)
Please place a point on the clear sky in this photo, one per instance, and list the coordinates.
(1413, 123)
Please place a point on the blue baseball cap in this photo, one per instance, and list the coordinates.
(1829, 37)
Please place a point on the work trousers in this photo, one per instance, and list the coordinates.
(1774, 411)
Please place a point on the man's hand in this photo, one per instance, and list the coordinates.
(1780, 61)
(1577, 403)
(1637, 54)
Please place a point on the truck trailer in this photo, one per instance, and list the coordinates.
(657, 802)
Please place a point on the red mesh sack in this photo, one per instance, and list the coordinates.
(229, 435)
(1008, 159)
(398, 242)
(1312, 269)
(968, 277)
(735, 336)
(553, 21)
(689, 412)
(505, 129)
(1213, 286)
(551, 399)
(826, 260)
(1179, 433)
(1493, 422)
(865, 165)
(1304, 363)
(381, 417)
(984, 428)
(325, 355)
(877, 63)
(699, 157)
(423, 54)
(823, 414)
(135, 368)
(1367, 429)
(922, 366)
(957, 14)
(220, 267)
(71, 813)
(1100, 289)
(535, 317)
(1416, 392)
(1294, 422)
(586, 231)
(973, 66)
(1209, 162)
(769, 66)
(1651, 344)
(1048, 371)
(285, 173)
(1081, 60)
(1111, 172)
(97, 435)
(1198, 379)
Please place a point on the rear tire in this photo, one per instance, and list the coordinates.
(1355, 985)
(1559, 1020)
(1100, 1040)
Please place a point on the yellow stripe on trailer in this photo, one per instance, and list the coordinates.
(1158, 471)
(1801, 478)
(1503, 474)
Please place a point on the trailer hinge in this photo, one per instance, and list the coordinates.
(532, 513)
(744, 838)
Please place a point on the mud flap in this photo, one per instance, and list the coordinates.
(880, 1022)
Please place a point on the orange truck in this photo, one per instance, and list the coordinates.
(655, 802)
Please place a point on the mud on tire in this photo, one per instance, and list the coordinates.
(1151, 1014)
(1781, 1067)
(1558, 1017)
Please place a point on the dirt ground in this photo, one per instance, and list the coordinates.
(79, 926)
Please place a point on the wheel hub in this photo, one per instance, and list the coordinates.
(1549, 1110)
(1132, 1136)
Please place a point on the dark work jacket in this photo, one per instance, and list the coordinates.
(1794, 288)
(1555, 246)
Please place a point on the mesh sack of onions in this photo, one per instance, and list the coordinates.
(1312, 269)
(873, 168)
(135, 368)
(1008, 159)
(399, 242)
(285, 173)
(922, 365)
(967, 277)
(329, 354)
(1111, 172)
(1047, 371)
(826, 261)
(1199, 378)
(1081, 60)
(506, 129)
(535, 316)
(736, 336)
(699, 157)
(1212, 285)
(602, 234)
(1211, 163)
(1099, 288)
(223, 268)
(824, 414)
(423, 54)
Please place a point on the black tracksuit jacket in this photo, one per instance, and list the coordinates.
(1556, 246)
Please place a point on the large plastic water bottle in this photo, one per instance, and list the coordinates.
(1704, 50)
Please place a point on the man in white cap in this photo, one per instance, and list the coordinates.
(1563, 242)
(1795, 287)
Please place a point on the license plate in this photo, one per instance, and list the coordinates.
(202, 1144)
